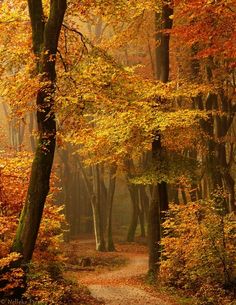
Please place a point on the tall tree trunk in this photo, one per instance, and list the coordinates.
(76, 203)
(145, 200)
(45, 42)
(110, 197)
(184, 197)
(159, 202)
(98, 229)
(101, 245)
(141, 212)
(103, 197)
(66, 183)
(135, 212)
(134, 197)
(94, 194)
(154, 235)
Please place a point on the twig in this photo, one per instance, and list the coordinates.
(83, 39)
(62, 60)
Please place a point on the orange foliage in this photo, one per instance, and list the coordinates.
(14, 176)
(199, 250)
(11, 278)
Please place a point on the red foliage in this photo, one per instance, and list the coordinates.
(210, 24)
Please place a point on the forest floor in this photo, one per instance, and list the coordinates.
(115, 278)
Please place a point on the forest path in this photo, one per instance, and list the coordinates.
(124, 286)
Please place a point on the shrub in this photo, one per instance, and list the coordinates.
(12, 279)
(14, 176)
(200, 249)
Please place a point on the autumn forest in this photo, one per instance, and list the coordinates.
(118, 152)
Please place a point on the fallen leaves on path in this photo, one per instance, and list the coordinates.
(116, 284)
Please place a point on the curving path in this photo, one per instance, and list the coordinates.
(119, 287)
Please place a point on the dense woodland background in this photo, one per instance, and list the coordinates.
(126, 109)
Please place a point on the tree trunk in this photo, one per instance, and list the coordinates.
(144, 200)
(110, 197)
(154, 235)
(94, 194)
(184, 197)
(66, 183)
(98, 230)
(103, 197)
(101, 245)
(216, 128)
(134, 196)
(160, 197)
(45, 42)
(135, 212)
(142, 212)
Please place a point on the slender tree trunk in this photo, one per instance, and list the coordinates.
(145, 201)
(77, 211)
(94, 194)
(154, 235)
(199, 191)
(103, 197)
(184, 197)
(66, 183)
(98, 230)
(231, 189)
(95, 221)
(135, 212)
(101, 246)
(45, 42)
(134, 196)
(110, 197)
(141, 212)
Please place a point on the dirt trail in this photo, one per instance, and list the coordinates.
(120, 287)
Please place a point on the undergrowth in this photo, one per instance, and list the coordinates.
(199, 253)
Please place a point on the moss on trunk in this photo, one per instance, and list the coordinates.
(45, 40)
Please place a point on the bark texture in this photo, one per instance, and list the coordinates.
(45, 41)
(159, 202)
